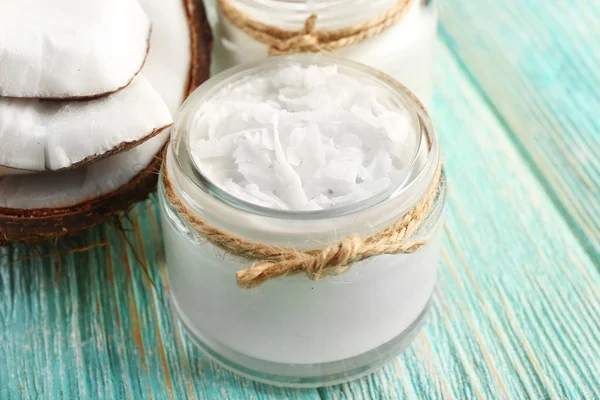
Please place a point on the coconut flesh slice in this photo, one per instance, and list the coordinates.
(32, 209)
(70, 48)
(51, 135)
(63, 188)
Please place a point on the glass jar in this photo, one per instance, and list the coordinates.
(404, 50)
(291, 330)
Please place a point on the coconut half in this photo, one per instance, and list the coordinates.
(40, 207)
(52, 135)
(63, 49)
(48, 205)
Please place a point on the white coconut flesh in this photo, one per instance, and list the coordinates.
(169, 60)
(69, 187)
(70, 48)
(38, 135)
(167, 69)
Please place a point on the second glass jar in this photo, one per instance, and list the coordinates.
(403, 50)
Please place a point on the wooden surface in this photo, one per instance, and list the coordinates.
(517, 312)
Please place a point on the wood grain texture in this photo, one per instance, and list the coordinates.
(536, 63)
(517, 311)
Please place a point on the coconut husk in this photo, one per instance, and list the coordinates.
(37, 225)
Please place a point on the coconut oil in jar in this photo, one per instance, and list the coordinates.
(403, 49)
(300, 152)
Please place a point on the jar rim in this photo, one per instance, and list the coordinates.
(184, 162)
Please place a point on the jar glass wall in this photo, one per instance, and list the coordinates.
(403, 51)
(291, 330)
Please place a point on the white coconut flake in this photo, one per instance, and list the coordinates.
(39, 135)
(301, 138)
(70, 48)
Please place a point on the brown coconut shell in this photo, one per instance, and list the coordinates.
(37, 225)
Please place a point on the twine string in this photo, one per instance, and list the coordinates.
(283, 41)
(272, 261)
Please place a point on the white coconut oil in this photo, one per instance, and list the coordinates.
(236, 159)
(404, 50)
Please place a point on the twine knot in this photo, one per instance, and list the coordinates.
(336, 259)
(307, 40)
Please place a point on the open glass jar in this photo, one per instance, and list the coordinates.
(403, 49)
(291, 330)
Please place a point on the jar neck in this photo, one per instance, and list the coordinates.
(332, 14)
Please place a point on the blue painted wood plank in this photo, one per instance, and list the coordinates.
(537, 63)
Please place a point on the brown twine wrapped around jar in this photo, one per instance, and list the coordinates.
(282, 41)
(273, 261)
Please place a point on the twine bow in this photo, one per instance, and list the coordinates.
(282, 41)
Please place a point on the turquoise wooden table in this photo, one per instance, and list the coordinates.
(517, 311)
